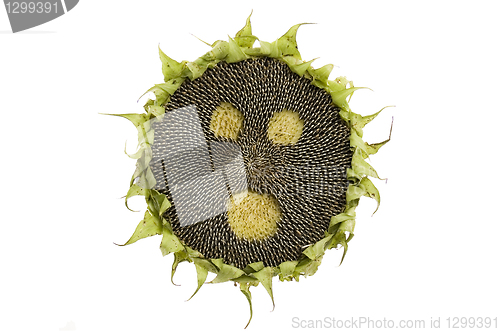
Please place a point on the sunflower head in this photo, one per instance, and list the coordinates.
(251, 162)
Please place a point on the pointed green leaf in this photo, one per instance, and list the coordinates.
(286, 270)
(361, 167)
(227, 272)
(149, 226)
(247, 279)
(297, 66)
(357, 142)
(353, 176)
(265, 276)
(339, 97)
(205, 264)
(269, 49)
(219, 262)
(171, 86)
(169, 66)
(350, 214)
(156, 111)
(135, 155)
(307, 267)
(318, 249)
(235, 54)
(170, 243)
(371, 191)
(147, 179)
(339, 84)
(164, 206)
(196, 69)
(179, 257)
(287, 44)
(244, 37)
(245, 289)
(355, 192)
(201, 274)
(254, 267)
(136, 119)
(219, 51)
(340, 238)
(348, 226)
(321, 74)
(161, 202)
(373, 148)
(134, 190)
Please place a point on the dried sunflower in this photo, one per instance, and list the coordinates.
(251, 162)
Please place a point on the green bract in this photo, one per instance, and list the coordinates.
(341, 228)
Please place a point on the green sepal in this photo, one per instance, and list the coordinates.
(155, 111)
(226, 273)
(219, 262)
(370, 191)
(348, 226)
(134, 190)
(163, 91)
(349, 214)
(218, 52)
(307, 267)
(169, 67)
(265, 276)
(161, 95)
(149, 226)
(352, 176)
(268, 49)
(253, 267)
(361, 167)
(161, 202)
(247, 279)
(206, 264)
(136, 119)
(179, 257)
(340, 237)
(287, 44)
(297, 66)
(235, 54)
(356, 141)
(245, 289)
(318, 249)
(196, 69)
(339, 97)
(339, 84)
(244, 37)
(286, 270)
(170, 243)
(320, 75)
(147, 179)
(201, 275)
(171, 86)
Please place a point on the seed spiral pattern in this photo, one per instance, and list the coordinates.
(308, 178)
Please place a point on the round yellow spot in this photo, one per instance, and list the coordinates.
(253, 216)
(285, 127)
(226, 121)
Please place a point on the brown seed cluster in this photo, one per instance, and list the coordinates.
(307, 179)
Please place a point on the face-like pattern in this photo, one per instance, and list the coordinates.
(275, 152)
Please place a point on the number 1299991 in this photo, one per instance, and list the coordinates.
(31, 7)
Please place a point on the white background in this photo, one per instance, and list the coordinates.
(432, 249)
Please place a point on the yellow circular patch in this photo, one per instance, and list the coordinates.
(285, 127)
(253, 216)
(226, 121)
